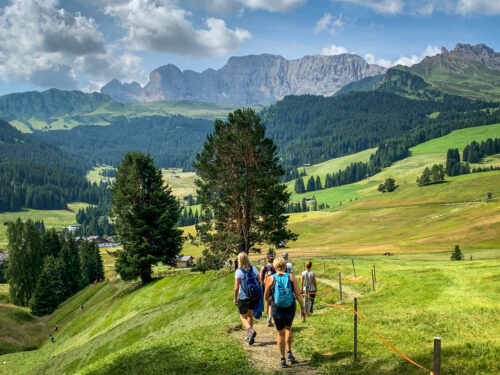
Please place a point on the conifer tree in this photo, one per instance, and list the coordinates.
(240, 182)
(25, 260)
(318, 185)
(311, 185)
(49, 291)
(146, 215)
(299, 187)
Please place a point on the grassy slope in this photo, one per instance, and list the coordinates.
(170, 326)
(19, 330)
(105, 113)
(51, 218)
(178, 325)
(412, 218)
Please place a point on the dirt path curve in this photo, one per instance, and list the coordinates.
(351, 293)
(264, 354)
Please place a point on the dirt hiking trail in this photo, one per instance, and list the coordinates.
(264, 353)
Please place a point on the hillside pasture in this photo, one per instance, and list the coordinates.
(180, 324)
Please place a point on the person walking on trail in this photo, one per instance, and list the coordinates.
(289, 266)
(281, 291)
(309, 287)
(247, 293)
(265, 272)
(56, 327)
(52, 339)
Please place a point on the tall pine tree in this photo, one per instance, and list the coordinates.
(146, 215)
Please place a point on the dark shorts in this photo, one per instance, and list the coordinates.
(247, 304)
(283, 316)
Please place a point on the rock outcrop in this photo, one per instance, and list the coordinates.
(249, 80)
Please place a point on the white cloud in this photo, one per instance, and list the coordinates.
(370, 59)
(226, 7)
(478, 6)
(403, 60)
(163, 26)
(333, 50)
(40, 42)
(380, 6)
(328, 23)
(426, 10)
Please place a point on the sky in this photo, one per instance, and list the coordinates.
(83, 44)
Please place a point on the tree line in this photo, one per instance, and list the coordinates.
(33, 185)
(43, 270)
(473, 153)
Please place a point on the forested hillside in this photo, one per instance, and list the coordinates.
(311, 129)
(172, 140)
(36, 174)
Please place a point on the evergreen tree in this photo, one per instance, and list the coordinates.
(90, 262)
(146, 214)
(318, 185)
(49, 287)
(51, 243)
(71, 259)
(457, 254)
(25, 260)
(299, 186)
(239, 181)
(311, 185)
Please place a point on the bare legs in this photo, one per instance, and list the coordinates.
(285, 340)
(247, 319)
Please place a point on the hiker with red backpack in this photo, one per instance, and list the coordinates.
(281, 291)
(265, 272)
(247, 293)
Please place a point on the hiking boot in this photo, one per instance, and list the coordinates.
(283, 363)
(291, 358)
(270, 323)
(251, 337)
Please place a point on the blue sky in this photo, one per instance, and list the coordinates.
(82, 44)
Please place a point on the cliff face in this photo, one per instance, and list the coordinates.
(249, 80)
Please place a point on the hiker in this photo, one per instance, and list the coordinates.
(265, 272)
(247, 293)
(289, 266)
(52, 339)
(281, 291)
(309, 287)
(81, 307)
(56, 327)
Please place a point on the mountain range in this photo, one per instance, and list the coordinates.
(249, 80)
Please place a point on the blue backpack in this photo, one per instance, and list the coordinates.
(283, 292)
(250, 283)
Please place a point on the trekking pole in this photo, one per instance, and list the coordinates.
(340, 285)
(355, 329)
(353, 268)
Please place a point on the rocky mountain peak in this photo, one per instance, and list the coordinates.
(252, 79)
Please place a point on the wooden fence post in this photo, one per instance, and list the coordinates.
(355, 329)
(323, 266)
(353, 268)
(340, 285)
(437, 355)
(373, 279)
(374, 273)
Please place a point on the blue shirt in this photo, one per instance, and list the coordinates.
(239, 274)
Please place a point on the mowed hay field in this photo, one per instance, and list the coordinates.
(181, 325)
(51, 218)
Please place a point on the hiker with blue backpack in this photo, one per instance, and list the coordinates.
(247, 293)
(281, 291)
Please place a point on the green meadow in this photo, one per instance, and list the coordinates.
(181, 324)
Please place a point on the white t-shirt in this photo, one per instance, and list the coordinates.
(289, 267)
(239, 274)
(308, 281)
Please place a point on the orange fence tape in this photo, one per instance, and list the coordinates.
(378, 335)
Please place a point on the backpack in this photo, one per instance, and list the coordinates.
(283, 292)
(250, 283)
(269, 272)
